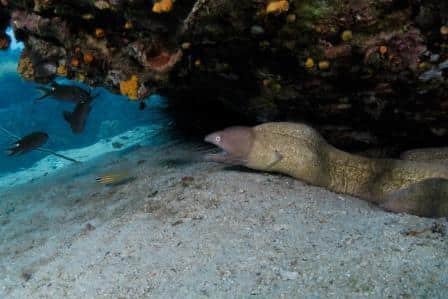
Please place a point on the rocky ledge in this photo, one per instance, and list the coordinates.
(366, 73)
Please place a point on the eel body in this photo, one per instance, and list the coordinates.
(297, 150)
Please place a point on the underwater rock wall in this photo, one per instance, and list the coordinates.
(367, 73)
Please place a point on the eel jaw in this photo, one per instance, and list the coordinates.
(223, 156)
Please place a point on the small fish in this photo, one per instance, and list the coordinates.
(67, 93)
(115, 178)
(142, 105)
(28, 143)
(31, 142)
(77, 119)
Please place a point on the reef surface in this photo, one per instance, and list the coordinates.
(367, 73)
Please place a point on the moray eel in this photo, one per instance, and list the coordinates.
(297, 150)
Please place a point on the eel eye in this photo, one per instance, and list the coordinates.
(218, 138)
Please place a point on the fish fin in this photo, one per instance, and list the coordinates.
(67, 116)
(45, 90)
(42, 97)
(277, 157)
(46, 150)
(12, 135)
(14, 151)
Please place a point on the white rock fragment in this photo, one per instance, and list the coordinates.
(288, 275)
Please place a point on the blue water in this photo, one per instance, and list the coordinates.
(21, 114)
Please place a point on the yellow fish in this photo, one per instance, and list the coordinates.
(115, 178)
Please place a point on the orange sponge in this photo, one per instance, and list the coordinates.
(129, 88)
(162, 6)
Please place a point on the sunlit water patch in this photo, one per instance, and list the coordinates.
(113, 124)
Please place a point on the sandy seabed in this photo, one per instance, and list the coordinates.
(185, 229)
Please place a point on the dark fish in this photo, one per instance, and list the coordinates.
(142, 105)
(77, 119)
(68, 93)
(28, 143)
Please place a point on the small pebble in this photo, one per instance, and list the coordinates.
(256, 30)
(89, 227)
(26, 276)
(288, 275)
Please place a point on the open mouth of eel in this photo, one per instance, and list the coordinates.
(220, 155)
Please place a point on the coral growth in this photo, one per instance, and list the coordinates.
(395, 50)
(334, 52)
(164, 61)
(162, 6)
(88, 58)
(35, 24)
(62, 70)
(277, 6)
(129, 87)
(99, 33)
(74, 62)
(33, 66)
(153, 57)
(25, 67)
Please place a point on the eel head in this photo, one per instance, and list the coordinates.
(235, 143)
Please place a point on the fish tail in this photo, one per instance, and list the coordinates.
(42, 97)
(67, 116)
(41, 149)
